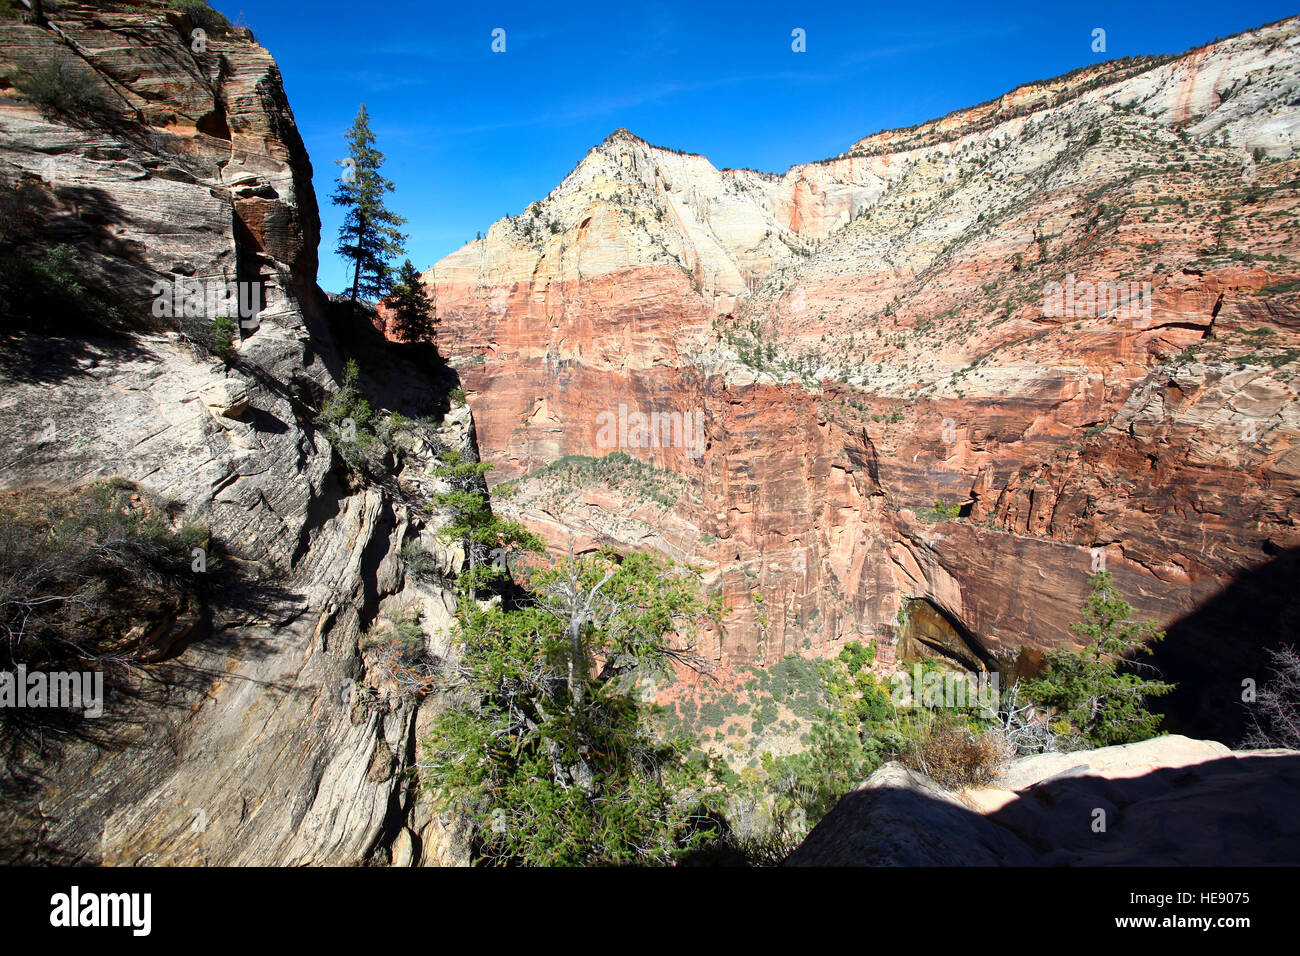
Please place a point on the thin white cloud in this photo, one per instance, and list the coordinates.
(932, 40)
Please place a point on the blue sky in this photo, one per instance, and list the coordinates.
(471, 135)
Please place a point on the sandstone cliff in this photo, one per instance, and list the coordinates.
(863, 336)
(268, 735)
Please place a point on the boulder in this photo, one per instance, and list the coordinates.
(1161, 802)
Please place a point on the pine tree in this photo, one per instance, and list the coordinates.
(1097, 691)
(486, 537)
(412, 312)
(369, 236)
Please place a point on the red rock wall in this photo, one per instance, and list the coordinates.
(1060, 436)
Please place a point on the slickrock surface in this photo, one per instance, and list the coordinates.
(259, 745)
(868, 334)
(1166, 801)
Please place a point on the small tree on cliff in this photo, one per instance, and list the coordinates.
(412, 312)
(554, 758)
(489, 540)
(1098, 692)
(369, 236)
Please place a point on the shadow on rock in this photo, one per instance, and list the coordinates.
(1234, 811)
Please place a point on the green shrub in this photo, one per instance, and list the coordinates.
(796, 682)
(62, 90)
(765, 714)
(224, 335)
(50, 291)
(857, 656)
(401, 634)
(396, 649)
(940, 512)
(418, 561)
(349, 419)
(202, 15)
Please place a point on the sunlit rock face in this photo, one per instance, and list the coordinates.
(1067, 315)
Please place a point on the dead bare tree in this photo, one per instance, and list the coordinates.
(1275, 713)
(1024, 727)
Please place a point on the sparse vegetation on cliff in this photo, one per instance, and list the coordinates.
(63, 89)
(616, 470)
(201, 15)
(349, 418)
(44, 286)
(86, 575)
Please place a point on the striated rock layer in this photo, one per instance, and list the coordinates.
(910, 323)
(271, 737)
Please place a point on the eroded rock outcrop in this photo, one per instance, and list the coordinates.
(271, 736)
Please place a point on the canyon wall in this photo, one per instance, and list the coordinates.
(268, 734)
(902, 390)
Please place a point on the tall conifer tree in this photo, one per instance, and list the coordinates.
(369, 236)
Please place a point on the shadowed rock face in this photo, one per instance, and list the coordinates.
(929, 633)
(253, 743)
(1165, 801)
(869, 334)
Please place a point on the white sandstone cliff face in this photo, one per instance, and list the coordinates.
(270, 740)
(630, 205)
